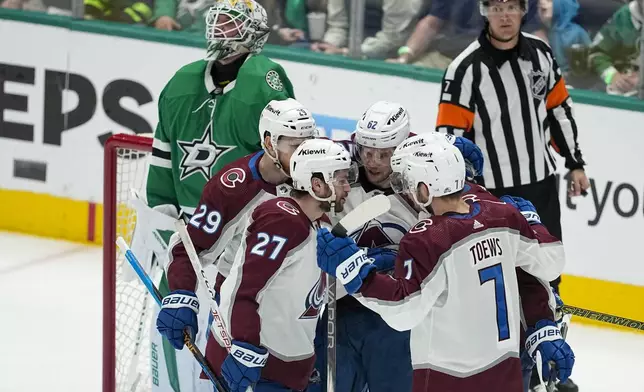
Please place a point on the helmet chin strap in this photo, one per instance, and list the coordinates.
(330, 199)
(423, 206)
(277, 163)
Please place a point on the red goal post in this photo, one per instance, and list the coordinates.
(126, 304)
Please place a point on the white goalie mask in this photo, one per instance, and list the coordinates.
(440, 166)
(325, 158)
(288, 123)
(235, 26)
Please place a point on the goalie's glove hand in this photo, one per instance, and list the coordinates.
(545, 337)
(178, 312)
(383, 258)
(472, 155)
(340, 257)
(526, 208)
(243, 365)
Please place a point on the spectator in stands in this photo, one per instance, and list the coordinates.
(388, 24)
(27, 5)
(564, 35)
(131, 11)
(186, 15)
(288, 19)
(448, 28)
(615, 50)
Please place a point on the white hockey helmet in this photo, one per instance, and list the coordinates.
(411, 145)
(383, 125)
(326, 157)
(235, 26)
(440, 166)
(285, 118)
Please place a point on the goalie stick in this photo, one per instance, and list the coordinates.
(355, 219)
(156, 294)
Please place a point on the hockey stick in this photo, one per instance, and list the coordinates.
(217, 319)
(603, 317)
(154, 291)
(217, 327)
(360, 215)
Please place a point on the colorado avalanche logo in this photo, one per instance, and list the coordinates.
(314, 299)
(232, 177)
(376, 234)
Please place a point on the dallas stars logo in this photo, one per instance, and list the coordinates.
(200, 155)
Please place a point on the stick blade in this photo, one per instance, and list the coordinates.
(362, 214)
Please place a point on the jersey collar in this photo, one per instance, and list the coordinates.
(210, 83)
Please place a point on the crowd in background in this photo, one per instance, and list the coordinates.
(596, 42)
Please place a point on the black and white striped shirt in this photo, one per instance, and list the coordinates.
(514, 105)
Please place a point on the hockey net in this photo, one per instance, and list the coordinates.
(127, 305)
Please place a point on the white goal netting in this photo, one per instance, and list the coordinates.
(133, 307)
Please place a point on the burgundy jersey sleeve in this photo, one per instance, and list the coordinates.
(404, 301)
(224, 197)
(277, 229)
(536, 298)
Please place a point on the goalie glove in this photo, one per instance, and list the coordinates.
(178, 313)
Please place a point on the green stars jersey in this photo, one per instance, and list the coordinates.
(202, 128)
(617, 44)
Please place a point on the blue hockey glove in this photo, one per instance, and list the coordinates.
(472, 154)
(545, 337)
(525, 206)
(243, 365)
(383, 258)
(178, 313)
(341, 257)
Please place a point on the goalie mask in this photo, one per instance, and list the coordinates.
(235, 26)
(440, 166)
(326, 160)
(288, 123)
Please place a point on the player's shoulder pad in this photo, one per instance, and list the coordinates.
(283, 214)
(260, 72)
(233, 180)
(188, 79)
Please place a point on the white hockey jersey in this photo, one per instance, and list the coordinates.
(456, 288)
(274, 292)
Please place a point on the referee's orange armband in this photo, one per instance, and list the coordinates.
(451, 115)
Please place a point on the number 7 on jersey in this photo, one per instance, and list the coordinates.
(494, 273)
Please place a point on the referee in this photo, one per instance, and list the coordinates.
(505, 92)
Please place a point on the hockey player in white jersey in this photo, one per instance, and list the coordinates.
(227, 201)
(369, 352)
(272, 297)
(467, 332)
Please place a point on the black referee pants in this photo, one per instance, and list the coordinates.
(545, 197)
